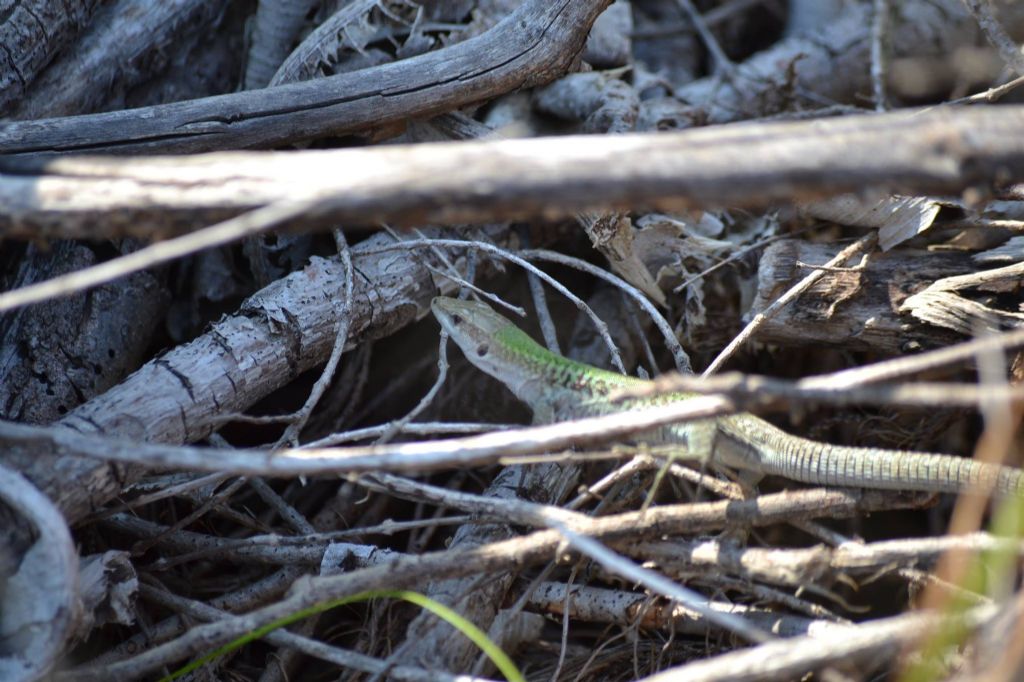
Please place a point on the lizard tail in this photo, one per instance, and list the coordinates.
(800, 459)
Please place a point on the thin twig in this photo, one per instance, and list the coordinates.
(563, 647)
(287, 512)
(905, 366)
(682, 360)
(419, 429)
(723, 64)
(398, 425)
(254, 222)
(471, 451)
(658, 583)
(872, 642)
(466, 285)
(733, 257)
(451, 272)
(265, 549)
(752, 390)
(291, 434)
(880, 52)
(208, 480)
(1009, 50)
(540, 306)
(715, 16)
(199, 512)
(992, 94)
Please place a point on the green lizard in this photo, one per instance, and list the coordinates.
(557, 389)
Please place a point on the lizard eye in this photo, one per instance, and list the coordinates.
(456, 320)
(482, 350)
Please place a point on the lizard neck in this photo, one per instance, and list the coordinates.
(555, 388)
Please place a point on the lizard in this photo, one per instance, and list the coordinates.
(556, 388)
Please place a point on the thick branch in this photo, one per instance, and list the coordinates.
(280, 332)
(534, 44)
(944, 150)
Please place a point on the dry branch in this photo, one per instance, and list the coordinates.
(494, 557)
(41, 607)
(82, 345)
(598, 605)
(534, 44)
(280, 332)
(864, 646)
(818, 566)
(276, 26)
(946, 150)
(170, 414)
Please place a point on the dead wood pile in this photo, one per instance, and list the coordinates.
(223, 403)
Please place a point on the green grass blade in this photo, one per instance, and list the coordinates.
(471, 631)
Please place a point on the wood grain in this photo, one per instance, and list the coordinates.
(533, 45)
(750, 164)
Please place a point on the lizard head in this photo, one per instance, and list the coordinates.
(493, 343)
(487, 338)
(554, 387)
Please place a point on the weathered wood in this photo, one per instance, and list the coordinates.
(62, 352)
(275, 28)
(832, 60)
(125, 44)
(534, 44)
(750, 164)
(853, 309)
(280, 332)
(31, 33)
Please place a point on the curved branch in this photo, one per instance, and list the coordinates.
(41, 599)
(532, 45)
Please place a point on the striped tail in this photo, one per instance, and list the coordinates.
(770, 450)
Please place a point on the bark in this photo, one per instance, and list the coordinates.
(533, 45)
(853, 309)
(280, 332)
(62, 352)
(750, 164)
(31, 33)
(126, 44)
(277, 24)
